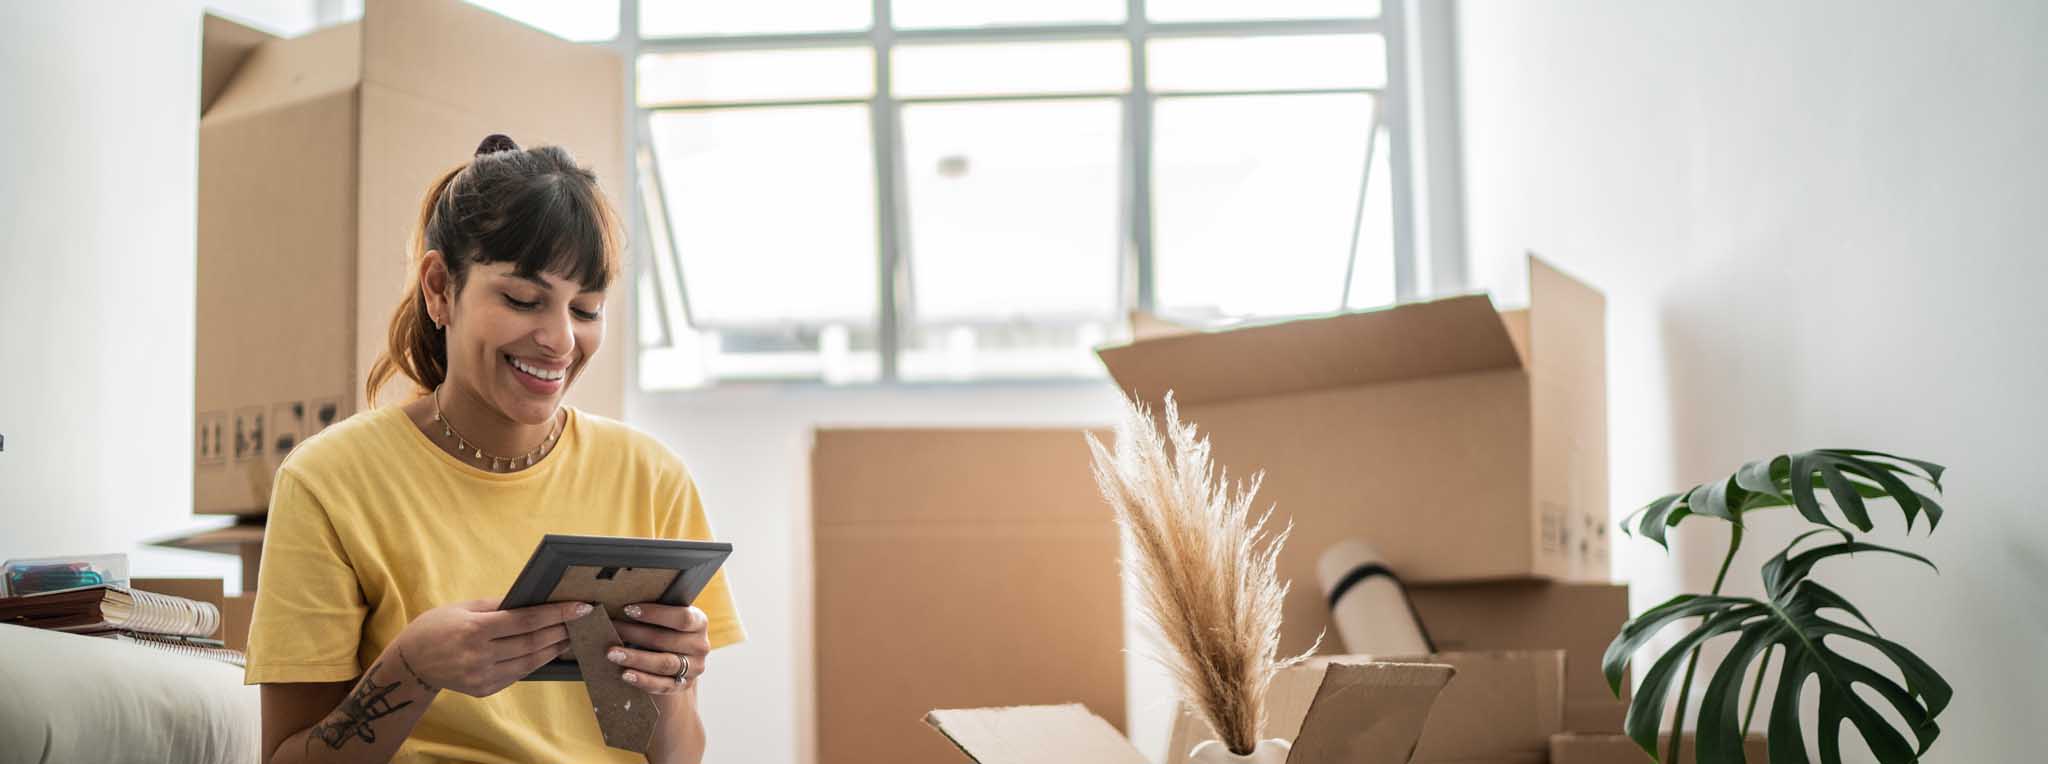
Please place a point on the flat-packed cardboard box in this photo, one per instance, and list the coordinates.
(1581, 748)
(956, 569)
(211, 591)
(1580, 619)
(234, 619)
(1462, 443)
(234, 611)
(1343, 713)
(1500, 706)
(243, 539)
(314, 154)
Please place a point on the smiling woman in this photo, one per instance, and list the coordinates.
(383, 526)
(530, 230)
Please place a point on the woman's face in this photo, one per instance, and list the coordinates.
(519, 342)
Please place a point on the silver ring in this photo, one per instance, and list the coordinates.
(683, 676)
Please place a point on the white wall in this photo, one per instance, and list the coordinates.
(98, 154)
(289, 18)
(1817, 224)
(749, 450)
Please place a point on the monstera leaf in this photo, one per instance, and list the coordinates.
(1850, 476)
(1803, 622)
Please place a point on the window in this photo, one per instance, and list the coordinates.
(850, 191)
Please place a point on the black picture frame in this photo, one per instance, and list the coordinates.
(696, 560)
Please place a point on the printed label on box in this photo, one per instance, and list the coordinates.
(287, 420)
(211, 431)
(321, 412)
(248, 433)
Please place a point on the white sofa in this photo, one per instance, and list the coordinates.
(67, 698)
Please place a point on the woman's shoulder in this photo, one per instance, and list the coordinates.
(347, 443)
(606, 435)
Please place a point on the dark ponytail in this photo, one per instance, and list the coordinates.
(535, 208)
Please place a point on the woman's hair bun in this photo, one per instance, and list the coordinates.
(495, 143)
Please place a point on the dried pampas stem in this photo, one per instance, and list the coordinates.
(1203, 568)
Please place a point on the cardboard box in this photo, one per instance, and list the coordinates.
(1364, 713)
(234, 611)
(243, 539)
(1581, 748)
(207, 590)
(234, 620)
(1500, 706)
(1580, 619)
(1463, 443)
(954, 569)
(314, 155)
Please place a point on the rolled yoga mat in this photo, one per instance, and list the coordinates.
(1368, 604)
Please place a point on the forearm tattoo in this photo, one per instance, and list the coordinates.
(415, 675)
(369, 702)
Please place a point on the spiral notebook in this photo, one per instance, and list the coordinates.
(105, 608)
(209, 649)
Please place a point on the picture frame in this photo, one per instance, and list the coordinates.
(612, 571)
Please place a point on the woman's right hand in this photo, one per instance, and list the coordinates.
(475, 649)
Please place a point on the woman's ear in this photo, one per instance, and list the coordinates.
(436, 287)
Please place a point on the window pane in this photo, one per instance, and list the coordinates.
(1255, 199)
(1222, 10)
(1013, 237)
(1372, 277)
(972, 13)
(583, 21)
(772, 211)
(672, 79)
(1266, 63)
(1010, 68)
(689, 18)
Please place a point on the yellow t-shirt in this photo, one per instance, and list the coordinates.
(371, 525)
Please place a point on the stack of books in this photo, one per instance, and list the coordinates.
(146, 619)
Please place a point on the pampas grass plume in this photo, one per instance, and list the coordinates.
(1203, 568)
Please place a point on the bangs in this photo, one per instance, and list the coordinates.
(556, 224)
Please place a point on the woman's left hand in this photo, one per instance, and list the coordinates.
(661, 641)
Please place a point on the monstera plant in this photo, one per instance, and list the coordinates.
(1798, 621)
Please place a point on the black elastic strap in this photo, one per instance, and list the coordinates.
(1359, 574)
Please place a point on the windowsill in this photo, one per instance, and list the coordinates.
(809, 387)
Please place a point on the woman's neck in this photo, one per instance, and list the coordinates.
(478, 425)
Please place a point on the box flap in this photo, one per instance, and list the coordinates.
(223, 46)
(1568, 425)
(279, 72)
(1580, 619)
(469, 58)
(1348, 710)
(1066, 734)
(1502, 703)
(1365, 713)
(1148, 326)
(227, 539)
(1448, 336)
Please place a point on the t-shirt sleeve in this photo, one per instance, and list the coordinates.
(686, 519)
(308, 619)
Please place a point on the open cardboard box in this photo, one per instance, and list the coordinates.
(314, 153)
(1578, 618)
(1499, 706)
(1462, 442)
(1340, 713)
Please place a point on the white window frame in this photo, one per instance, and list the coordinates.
(1428, 236)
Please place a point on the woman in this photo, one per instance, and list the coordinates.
(368, 636)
